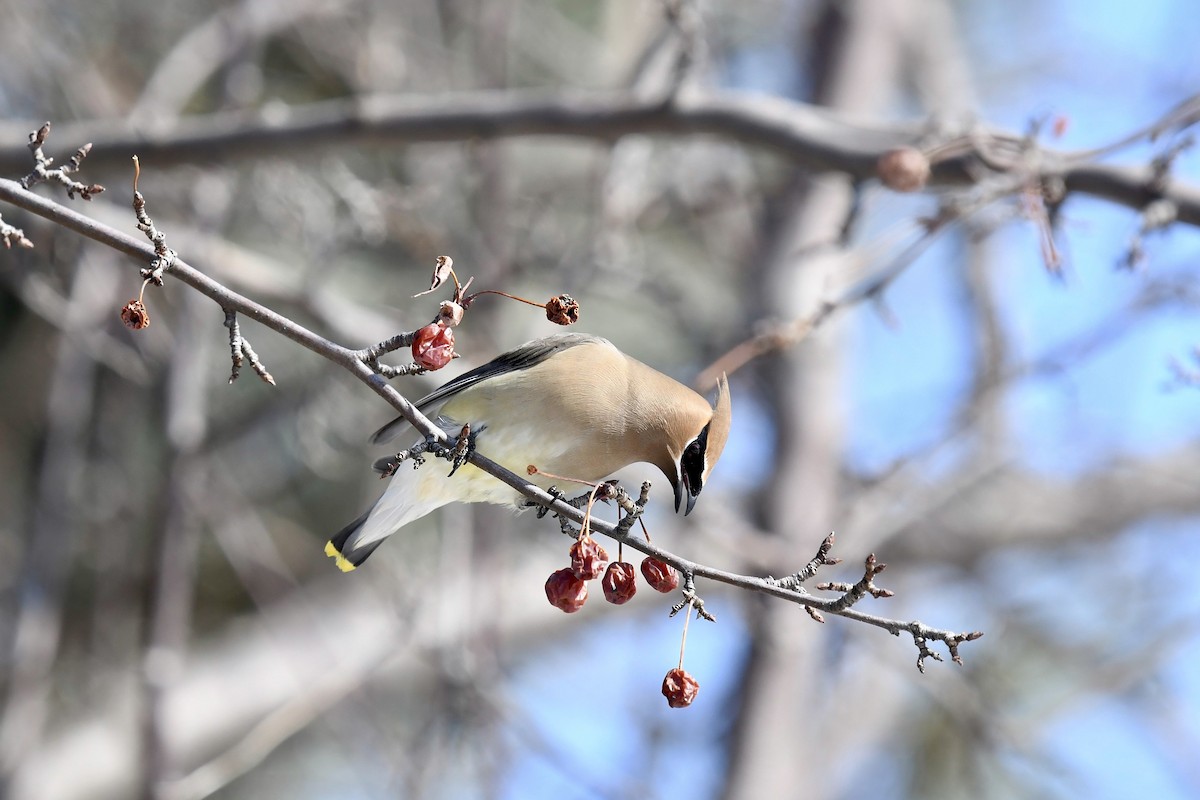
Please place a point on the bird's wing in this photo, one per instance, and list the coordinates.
(523, 357)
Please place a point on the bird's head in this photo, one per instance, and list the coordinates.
(701, 452)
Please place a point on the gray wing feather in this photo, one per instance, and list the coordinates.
(523, 357)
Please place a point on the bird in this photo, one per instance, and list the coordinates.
(570, 404)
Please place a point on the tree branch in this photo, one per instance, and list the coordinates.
(352, 360)
(813, 138)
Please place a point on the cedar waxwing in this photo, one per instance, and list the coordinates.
(570, 404)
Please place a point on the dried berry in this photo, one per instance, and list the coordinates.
(588, 559)
(450, 313)
(135, 315)
(661, 577)
(566, 592)
(433, 346)
(680, 688)
(619, 583)
(903, 169)
(562, 310)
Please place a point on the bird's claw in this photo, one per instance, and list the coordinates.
(464, 446)
(580, 501)
(554, 492)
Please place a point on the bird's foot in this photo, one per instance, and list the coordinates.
(464, 446)
(554, 492)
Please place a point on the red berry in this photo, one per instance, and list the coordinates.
(620, 584)
(588, 559)
(566, 592)
(433, 346)
(562, 310)
(680, 688)
(661, 577)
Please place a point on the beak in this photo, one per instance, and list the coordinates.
(683, 490)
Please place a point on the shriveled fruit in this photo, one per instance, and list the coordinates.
(619, 583)
(566, 592)
(135, 315)
(562, 310)
(680, 688)
(433, 346)
(662, 577)
(588, 559)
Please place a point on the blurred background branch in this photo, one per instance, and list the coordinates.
(810, 135)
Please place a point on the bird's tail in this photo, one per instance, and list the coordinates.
(410, 496)
(343, 548)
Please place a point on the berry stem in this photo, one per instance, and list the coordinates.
(505, 294)
(533, 470)
(687, 617)
(587, 515)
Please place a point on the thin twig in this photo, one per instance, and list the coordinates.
(10, 234)
(42, 172)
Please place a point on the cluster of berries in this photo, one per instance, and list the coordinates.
(433, 345)
(567, 590)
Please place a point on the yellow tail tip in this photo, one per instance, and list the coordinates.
(342, 562)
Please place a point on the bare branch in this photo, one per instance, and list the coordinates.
(821, 559)
(164, 257)
(814, 138)
(10, 234)
(852, 593)
(61, 175)
(240, 350)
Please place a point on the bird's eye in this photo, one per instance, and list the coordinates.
(692, 462)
